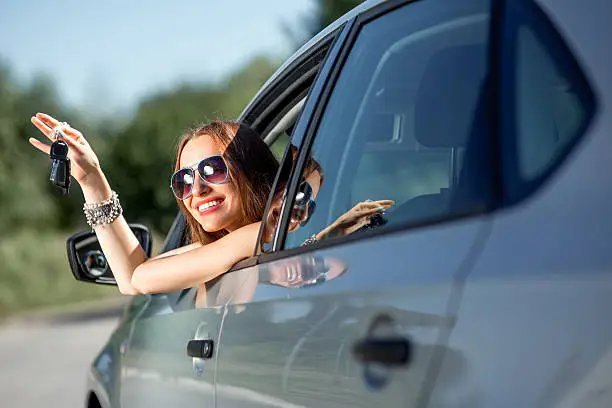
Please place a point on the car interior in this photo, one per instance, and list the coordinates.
(420, 163)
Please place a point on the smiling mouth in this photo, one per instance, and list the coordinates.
(209, 206)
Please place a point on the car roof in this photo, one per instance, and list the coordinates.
(312, 43)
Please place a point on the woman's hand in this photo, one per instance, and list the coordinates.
(85, 166)
(355, 218)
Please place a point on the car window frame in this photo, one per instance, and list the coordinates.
(544, 29)
(492, 82)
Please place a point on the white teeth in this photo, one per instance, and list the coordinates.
(207, 205)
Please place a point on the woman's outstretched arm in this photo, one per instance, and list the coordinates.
(197, 266)
(184, 267)
(118, 242)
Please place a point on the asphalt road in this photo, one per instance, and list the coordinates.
(43, 363)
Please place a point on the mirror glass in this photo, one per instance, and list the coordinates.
(87, 261)
(95, 263)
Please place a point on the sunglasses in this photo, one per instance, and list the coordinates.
(212, 170)
(304, 202)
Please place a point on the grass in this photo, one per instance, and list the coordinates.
(34, 274)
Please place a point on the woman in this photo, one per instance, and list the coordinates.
(223, 213)
(223, 176)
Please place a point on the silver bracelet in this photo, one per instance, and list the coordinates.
(103, 212)
(310, 240)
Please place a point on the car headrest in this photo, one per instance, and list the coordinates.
(447, 96)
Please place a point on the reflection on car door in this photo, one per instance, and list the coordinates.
(156, 370)
(294, 343)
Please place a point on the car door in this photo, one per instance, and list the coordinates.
(156, 370)
(360, 319)
(532, 323)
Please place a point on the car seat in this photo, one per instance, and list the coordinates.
(448, 114)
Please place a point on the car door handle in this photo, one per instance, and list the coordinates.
(391, 351)
(200, 348)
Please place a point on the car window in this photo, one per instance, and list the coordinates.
(547, 100)
(547, 111)
(279, 145)
(404, 123)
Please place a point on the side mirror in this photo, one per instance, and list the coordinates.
(87, 261)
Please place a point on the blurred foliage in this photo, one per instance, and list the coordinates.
(35, 273)
(137, 154)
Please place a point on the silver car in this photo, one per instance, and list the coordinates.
(488, 122)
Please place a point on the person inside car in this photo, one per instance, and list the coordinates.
(223, 176)
(304, 206)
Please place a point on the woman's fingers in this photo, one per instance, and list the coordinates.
(368, 205)
(74, 145)
(45, 148)
(48, 120)
(367, 212)
(385, 203)
(42, 127)
(74, 134)
(362, 222)
(45, 124)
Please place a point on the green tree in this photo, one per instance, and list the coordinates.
(25, 197)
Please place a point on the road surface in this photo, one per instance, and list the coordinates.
(43, 363)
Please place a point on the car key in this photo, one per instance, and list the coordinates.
(60, 166)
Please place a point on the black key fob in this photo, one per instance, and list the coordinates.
(377, 220)
(60, 166)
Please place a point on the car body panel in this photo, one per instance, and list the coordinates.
(156, 371)
(531, 319)
(104, 376)
(294, 345)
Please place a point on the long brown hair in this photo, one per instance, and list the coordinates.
(252, 168)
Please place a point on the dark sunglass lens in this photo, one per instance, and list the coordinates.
(303, 195)
(213, 170)
(182, 183)
(312, 206)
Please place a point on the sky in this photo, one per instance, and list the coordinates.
(109, 54)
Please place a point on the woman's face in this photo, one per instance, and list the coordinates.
(215, 206)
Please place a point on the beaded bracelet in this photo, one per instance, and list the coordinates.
(103, 212)
(310, 240)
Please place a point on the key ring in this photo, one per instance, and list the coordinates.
(57, 131)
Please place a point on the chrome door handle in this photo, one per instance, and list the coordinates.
(200, 348)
